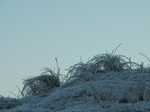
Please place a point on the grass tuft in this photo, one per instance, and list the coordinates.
(40, 84)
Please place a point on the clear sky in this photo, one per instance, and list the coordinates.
(34, 32)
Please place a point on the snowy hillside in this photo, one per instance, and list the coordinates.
(100, 85)
(117, 92)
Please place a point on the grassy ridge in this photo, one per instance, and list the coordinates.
(107, 80)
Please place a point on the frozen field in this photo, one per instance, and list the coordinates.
(106, 83)
(108, 92)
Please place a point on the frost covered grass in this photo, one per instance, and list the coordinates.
(112, 91)
(106, 83)
(36, 85)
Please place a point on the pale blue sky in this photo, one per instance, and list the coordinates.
(34, 32)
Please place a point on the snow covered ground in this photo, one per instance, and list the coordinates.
(106, 92)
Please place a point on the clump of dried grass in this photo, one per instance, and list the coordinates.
(43, 83)
(36, 85)
(102, 63)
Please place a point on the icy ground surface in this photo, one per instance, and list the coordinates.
(107, 92)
